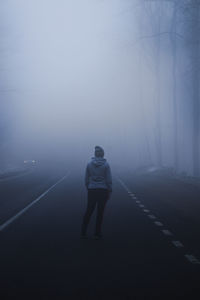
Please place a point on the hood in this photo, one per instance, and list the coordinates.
(98, 161)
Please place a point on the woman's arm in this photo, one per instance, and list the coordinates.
(87, 176)
(109, 178)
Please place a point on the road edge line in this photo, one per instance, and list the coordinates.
(21, 212)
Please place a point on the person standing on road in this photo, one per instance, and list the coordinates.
(98, 181)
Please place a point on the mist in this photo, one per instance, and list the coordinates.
(99, 149)
(76, 74)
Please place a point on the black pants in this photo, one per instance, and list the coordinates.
(97, 197)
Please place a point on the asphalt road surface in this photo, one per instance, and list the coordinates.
(150, 247)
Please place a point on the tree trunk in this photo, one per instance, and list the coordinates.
(157, 98)
(174, 87)
(195, 86)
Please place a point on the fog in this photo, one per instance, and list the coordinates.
(75, 74)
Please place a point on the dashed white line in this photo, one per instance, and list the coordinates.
(133, 196)
(158, 223)
(124, 186)
(152, 217)
(167, 232)
(192, 259)
(21, 212)
(177, 244)
(126, 189)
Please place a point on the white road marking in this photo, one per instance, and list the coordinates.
(192, 259)
(124, 186)
(167, 232)
(21, 212)
(131, 194)
(158, 223)
(152, 217)
(177, 244)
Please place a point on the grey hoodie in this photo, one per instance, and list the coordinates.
(98, 174)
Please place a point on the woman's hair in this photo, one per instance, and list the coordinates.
(99, 152)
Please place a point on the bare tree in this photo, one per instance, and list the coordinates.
(173, 38)
(192, 11)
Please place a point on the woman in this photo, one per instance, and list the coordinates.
(98, 181)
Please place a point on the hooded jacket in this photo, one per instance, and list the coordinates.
(98, 174)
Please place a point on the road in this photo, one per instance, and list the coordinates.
(150, 249)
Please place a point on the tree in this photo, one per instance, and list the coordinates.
(193, 12)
